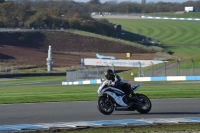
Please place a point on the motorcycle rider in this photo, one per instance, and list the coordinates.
(115, 81)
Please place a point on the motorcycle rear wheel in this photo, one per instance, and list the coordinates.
(105, 105)
(144, 106)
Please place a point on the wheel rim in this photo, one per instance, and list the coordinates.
(105, 105)
(145, 104)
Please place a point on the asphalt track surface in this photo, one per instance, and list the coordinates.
(32, 113)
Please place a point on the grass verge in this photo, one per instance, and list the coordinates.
(23, 93)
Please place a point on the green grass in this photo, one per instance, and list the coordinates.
(167, 31)
(180, 37)
(20, 80)
(46, 93)
(58, 92)
(107, 38)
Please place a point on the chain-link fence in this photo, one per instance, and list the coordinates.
(96, 72)
(8, 70)
(177, 68)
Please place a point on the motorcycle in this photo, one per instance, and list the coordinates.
(111, 99)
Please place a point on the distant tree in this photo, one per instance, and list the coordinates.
(23, 12)
(2, 1)
(74, 23)
(94, 2)
(75, 16)
(108, 6)
(143, 2)
(1, 24)
(54, 11)
(149, 8)
(39, 20)
(8, 14)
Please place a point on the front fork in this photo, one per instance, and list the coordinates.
(107, 99)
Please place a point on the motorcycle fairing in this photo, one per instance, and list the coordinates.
(111, 89)
(116, 94)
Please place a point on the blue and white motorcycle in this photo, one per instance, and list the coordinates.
(111, 99)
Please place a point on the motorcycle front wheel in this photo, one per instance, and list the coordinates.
(144, 105)
(105, 105)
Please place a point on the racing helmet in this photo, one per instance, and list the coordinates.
(109, 74)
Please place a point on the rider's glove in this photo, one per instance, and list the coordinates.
(109, 83)
(112, 83)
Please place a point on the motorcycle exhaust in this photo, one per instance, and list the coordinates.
(121, 108)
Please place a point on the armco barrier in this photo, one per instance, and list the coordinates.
(168, 78)
(94, 81)
(139, 79)
(167, 18)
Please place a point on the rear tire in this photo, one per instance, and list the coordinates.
(105, 105)
(144, 106)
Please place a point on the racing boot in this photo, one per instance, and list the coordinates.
(133, 97)
(129, 100)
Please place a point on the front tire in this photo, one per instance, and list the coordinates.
(105, 105)
(143, 106)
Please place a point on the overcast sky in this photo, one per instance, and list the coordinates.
(102, 1)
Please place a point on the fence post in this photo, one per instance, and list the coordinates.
(11, 69)
(192, 67)
(108, 66)
(165, 68)
(113, 68)
(139, 69)
(178, 67)
(6, 70)
(152, 69)
(97, 72)
(17, 70)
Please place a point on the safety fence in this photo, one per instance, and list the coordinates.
(8, 70)
(175, 68)
(96, 72)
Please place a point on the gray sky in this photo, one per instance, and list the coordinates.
(102, 1)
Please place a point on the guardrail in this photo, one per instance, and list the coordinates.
(167, 18)
(168, 78)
